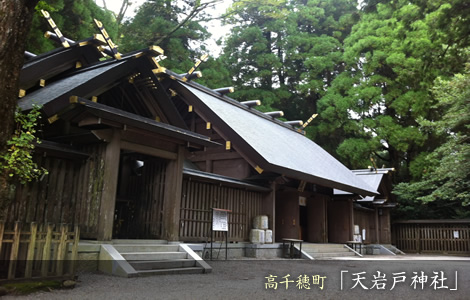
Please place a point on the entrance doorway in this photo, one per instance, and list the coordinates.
(139, 199)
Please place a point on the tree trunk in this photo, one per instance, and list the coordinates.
(15, 21)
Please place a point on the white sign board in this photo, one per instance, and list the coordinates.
(456, 234)
(219, 220)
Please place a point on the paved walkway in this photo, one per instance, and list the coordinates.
(399, 278)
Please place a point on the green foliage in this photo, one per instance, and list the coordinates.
(157, 23)
(73, 18)
(392, 56)
(287, 53)
(444, 189)
(18, 160)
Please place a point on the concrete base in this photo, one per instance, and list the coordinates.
(266, 251)
(90, 253)
(376, 249)
(88, 257)
(238, 250)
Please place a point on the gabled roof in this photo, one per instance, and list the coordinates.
(271, 146)
(47, 65)
(80, 83)
(261, 140)
(376, 179)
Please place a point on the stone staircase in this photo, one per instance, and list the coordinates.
(151, 257)
(393, 249)
(326, 251)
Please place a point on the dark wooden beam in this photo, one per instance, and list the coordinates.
(149, 139)
(148, 150)
(206, 155)
(48, 148)
(160, 94)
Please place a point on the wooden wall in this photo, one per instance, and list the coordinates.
(219, 160)
(340, 221)
(287, 215)
(199, 197)
(432, 236)
(70, 193)
(366, 220)
(385, 230)
(317, 231)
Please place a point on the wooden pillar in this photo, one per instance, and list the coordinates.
(377, 228)
(172, 198)
(351, 213)
(110, 180)
(269, 207)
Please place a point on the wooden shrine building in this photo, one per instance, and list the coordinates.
(371, 213)
(136, 151)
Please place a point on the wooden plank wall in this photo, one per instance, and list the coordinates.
(70, 193)
(37, 251)
(432, 237)
(339, 221)
(197, 200)
(366, 220)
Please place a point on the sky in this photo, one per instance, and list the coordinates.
(214, 27)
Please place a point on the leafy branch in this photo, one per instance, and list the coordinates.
(17, 159)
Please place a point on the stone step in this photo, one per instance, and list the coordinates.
(126, 241)
(154, 255)
(326, 250)
(322, 245)
(192, 270)
(333, 254)
(128, 248)
(162, 264)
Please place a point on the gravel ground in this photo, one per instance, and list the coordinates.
(242, 279)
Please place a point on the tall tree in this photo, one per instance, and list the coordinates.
(253, 51)
(287, 53)
(175, 26)
(14, 25)
(393, 56)
(444, 189)
(74, 19)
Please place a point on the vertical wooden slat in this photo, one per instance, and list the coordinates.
(59, 195)
(31, 247)
(14, 251)
(2, 230)
(161, 196)
(46, 254)
(39, 247)
(199, 189)
(78, 195)
(61, 250)
(74, 256)
(33, 196)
